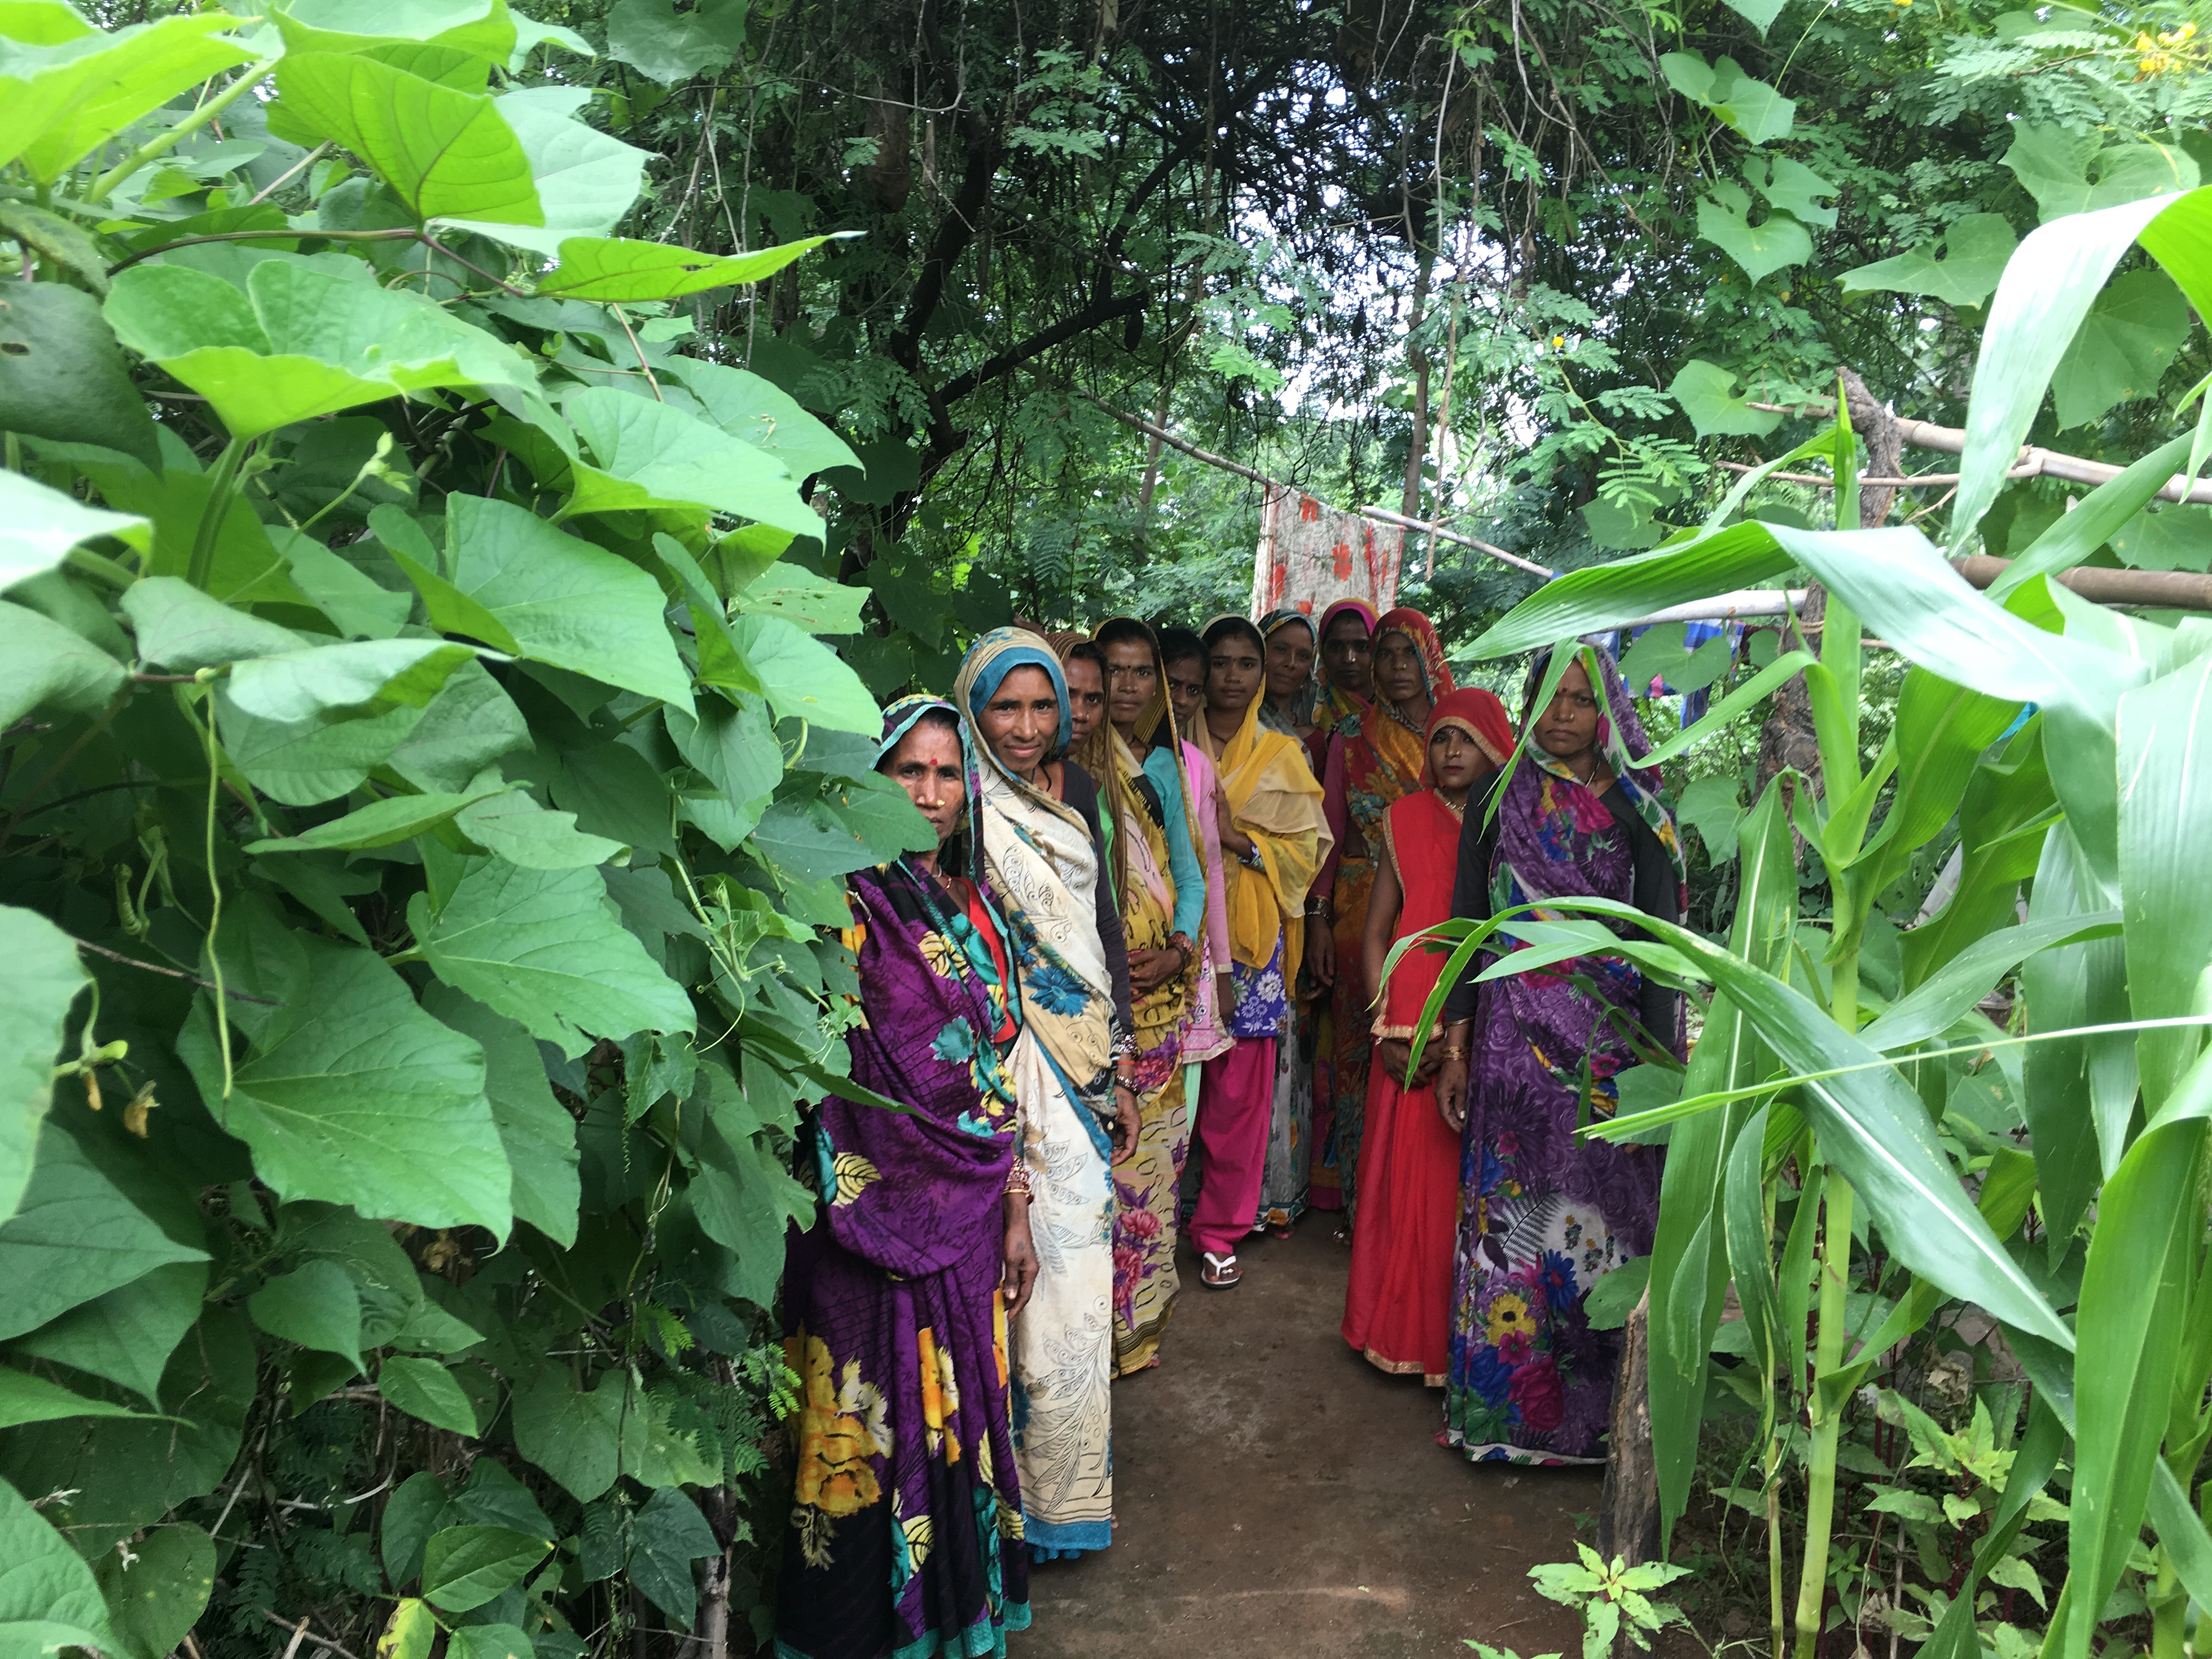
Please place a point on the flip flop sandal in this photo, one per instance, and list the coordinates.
(1219, 1272)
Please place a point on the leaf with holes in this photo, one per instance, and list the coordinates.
(1975, 249)
(1776, 243)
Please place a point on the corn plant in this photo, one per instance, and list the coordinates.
(2073, 746)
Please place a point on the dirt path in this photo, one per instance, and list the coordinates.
(1276, 1495)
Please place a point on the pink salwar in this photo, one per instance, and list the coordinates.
(1233, 1112)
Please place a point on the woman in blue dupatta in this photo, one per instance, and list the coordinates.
(1545, 1213)
(906, 1530)
(1074, 1069)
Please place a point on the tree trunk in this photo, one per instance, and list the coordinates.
(710, 1632)
(1786, 740)
(1628, 1514)
(1410, 501)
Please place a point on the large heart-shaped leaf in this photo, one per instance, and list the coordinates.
(1706, 392)
(127, 1334)
(363, 1099)
(544, 947)
(46, 665)
(464, 1567)
(484, 29)
(763, 414)
(653, 37)
(515, 581)
(668, 1535)
(585, 1438)
(2055, 165)
(1776, 242)
(539, 1136)
(300, 340)
(48, 1598)
(648, 454)
(447, 153)
(1975, 249)
(157, 1589)
(67, 98)
(586, 179)
(61, 376)
(2124, 346)
(75, 1236)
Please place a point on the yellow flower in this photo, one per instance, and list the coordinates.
(937, 951)
(1508, 1313)
(940, 1394)
(834, 1443)
(855, 1175)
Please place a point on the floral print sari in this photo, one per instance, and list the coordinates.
(905, 1532)
(1543, 1213)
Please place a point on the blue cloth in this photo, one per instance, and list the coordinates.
(993, 674)
(1184, 868)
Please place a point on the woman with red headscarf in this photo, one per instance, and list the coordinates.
(1374, 756)
(1397, 1308)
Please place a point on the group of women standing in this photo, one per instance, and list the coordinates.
(1170, 870)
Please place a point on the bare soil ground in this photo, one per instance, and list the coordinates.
(1276, 1495)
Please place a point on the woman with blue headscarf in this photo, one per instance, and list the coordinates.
(905, 1536)
(1074, 1069)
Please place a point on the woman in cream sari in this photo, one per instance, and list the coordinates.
(1072, 1068)
(1268, 807)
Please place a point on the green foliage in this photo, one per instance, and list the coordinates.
(1842, 1066)
(1614, 1600)
(412, 688)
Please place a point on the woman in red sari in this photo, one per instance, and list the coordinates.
(1397, 1308)
(1374, 756)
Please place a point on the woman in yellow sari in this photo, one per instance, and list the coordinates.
(1162, 897)
(1268, 805)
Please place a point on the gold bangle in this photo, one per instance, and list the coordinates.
(1453, 1054)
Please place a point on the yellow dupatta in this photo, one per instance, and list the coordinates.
(1274, 799)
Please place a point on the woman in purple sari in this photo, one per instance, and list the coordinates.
(1544, 1214)
(906, 1532)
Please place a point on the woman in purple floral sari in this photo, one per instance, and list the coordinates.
(1544, 1214)
(906, 1531)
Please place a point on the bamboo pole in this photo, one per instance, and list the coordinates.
(2032, 462)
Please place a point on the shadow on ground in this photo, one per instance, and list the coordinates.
(1275, 1494)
